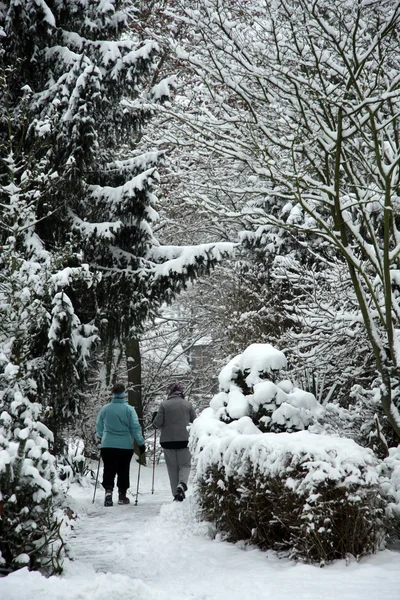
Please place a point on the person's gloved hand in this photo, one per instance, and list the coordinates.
(153, 416)
(142, 456)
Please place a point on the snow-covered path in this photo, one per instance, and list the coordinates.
(159, 551)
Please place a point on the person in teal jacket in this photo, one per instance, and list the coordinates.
(118, 426)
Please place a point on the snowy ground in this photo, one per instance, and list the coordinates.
(157, 550)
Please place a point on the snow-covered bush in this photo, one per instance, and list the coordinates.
(74, 467)
(250, 386)
(315, 497)
(29, 530)
(389, 470)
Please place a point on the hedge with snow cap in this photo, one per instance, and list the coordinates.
(314, 497)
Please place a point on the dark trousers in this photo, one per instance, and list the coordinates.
(116, 462)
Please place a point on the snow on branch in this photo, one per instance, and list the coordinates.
(65, 277)
(178, 258)
(106, 230)
(163, 89)
(135, 164)
(114, 197)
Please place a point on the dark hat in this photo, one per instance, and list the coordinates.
(118, 389)
(175, 389)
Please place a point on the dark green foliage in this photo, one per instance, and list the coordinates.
(29, 530)
(325, 526)
(34, 532)
(75, 192)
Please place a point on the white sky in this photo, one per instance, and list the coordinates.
(157, 550)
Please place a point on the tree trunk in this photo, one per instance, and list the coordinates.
(134, 367)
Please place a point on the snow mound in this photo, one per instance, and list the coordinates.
(321, 458)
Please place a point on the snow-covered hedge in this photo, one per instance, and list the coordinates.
(315, 497)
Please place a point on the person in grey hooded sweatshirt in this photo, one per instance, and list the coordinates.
(173, 417)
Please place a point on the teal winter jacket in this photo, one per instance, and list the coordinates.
(118, 425)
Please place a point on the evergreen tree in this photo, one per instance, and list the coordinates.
(83, 93)
(66, 366)
(79, 257)
(29, 531)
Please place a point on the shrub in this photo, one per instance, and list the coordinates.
(389, 470)
(262, 475)
(74, 467)
(314, 498)
(29, 528)
(251, 385)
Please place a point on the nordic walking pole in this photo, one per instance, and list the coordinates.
(137, 487)
(154, 461)
(97, 478)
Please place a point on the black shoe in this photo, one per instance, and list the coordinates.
(180, 492)
(108, 499)
(122, 499)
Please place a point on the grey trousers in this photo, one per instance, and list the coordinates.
(178, 465)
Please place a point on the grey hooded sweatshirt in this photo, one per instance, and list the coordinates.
(173, 416)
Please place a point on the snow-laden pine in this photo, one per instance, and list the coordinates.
(81, 269)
